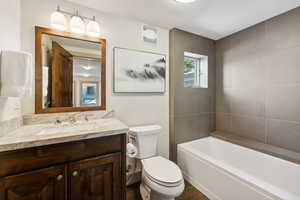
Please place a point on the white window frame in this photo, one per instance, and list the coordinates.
(201, 74)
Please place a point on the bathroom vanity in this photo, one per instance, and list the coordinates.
(62, 165)
(67, 158)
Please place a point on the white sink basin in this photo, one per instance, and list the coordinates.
(87, 126)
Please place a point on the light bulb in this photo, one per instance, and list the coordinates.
(93, 29)
(77, 25)
(59, 21)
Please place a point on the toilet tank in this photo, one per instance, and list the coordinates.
(145, 139)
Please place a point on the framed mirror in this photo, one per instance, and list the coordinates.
(70, 72)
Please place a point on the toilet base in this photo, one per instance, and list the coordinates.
(147, 194)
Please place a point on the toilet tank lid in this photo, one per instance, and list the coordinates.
(145, 130)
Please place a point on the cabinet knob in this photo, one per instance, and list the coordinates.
(75, 173)
(59, 177)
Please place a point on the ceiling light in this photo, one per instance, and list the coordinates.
(86, 75)
(185, 1)
(92, 28)
(58, 20)
(87, 67)
(77, 25)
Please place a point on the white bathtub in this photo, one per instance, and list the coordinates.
(225, 171)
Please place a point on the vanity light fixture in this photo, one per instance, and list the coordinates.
(77, 24)
(185, 1)
(59, 20)
(92, 28)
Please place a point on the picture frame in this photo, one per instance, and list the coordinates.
(139, 71)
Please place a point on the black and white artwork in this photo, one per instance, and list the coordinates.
(138, 71)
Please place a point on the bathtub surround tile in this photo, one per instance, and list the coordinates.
(191, 128)
(213, 122)
(247, 101)
(223, 48)
(283, 31)
(223, 70)
(253, 128)
(188, 128)
(248, 41)
(223, 100)
(192, 110)
(223, 122)
(283, 66)
(284, 134)
(190, 100)
(248, 71)
(282, 153)
(258, 82)
(283, 102)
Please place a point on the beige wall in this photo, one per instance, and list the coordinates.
(192, 110)
(10, 25)
(133, 109)
(258, 82)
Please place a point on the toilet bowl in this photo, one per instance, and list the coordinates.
(161, 178)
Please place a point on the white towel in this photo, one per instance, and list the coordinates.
(10, 108)
(45, 81)
(16, 74)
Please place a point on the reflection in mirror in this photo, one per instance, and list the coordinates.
(71, 72)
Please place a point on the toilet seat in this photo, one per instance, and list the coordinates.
(162, 171)
(161, 190)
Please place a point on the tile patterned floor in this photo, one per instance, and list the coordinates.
(190, 193)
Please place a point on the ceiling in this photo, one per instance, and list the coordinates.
(210, 18)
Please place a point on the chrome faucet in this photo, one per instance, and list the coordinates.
(57, 121)
(108, 114)
(86, 118)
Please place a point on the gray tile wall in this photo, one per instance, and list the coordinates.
(258, 82)
(192, 111)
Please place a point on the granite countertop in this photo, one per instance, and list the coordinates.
(46, 134)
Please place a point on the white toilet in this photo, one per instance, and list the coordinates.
(161, 178)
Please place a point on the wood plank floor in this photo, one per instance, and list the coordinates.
(190, 193)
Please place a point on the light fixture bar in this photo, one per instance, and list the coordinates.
(77, 23)
(76, 14)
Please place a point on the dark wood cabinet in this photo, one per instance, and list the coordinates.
(91, 169)
(96, 179)
(44, 184)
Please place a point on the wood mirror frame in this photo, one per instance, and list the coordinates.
(39, 76)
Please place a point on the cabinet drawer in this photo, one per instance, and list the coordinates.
(13, 162)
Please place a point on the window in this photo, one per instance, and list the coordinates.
(89, 93)
(195, 70)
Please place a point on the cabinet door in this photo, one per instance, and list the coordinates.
(96, 178)
(44, 184)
